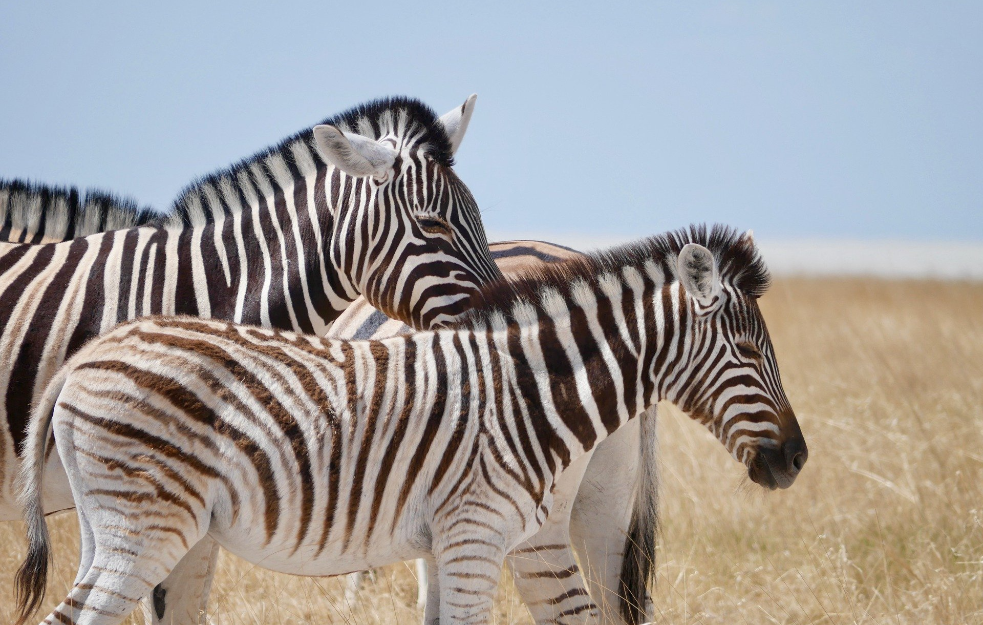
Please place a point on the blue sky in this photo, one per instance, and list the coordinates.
(831, 119)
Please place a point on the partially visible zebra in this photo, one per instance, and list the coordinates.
(366, 203)
(38, 213)
(285, 448)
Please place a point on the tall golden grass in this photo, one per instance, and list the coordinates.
(885, 524)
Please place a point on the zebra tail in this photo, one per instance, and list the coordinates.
(638, 562)
(32, 577)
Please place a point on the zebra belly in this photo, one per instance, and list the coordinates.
(283, 555)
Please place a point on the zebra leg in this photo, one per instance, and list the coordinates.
(607, 525)
(431, 585)
(468, 571)
(125, 566)
(423, 583)
(182, 598)
(87, 546)
(544, 569)
(353, 585)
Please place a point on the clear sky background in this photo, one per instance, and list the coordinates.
(822, 119)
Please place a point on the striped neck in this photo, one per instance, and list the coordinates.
(284, 216)
(587, 356)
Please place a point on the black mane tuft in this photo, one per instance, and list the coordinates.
(418, 115)
(31, 212)
(738, 260)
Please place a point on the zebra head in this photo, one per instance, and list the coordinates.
(425, 251)
(731, 383)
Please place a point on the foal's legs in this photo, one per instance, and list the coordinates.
(126, 564)
(181, 599)
(544, 569)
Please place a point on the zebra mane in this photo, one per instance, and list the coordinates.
(30, 212)
(738, 260)
(374, 119)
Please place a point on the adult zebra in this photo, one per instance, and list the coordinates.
(612, 518)
(483, 425)
(366, 203)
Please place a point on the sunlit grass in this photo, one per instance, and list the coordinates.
(885, 524)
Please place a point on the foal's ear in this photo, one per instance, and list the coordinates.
(456, 121)
(697, 271)
(352, 153)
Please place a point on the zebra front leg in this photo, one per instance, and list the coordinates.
(182, 598)
(614, 515)
(545, 571)
(468, 568)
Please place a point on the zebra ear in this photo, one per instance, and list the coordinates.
(456, 122)
(354, 154)
(697, 271)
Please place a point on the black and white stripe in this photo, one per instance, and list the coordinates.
(317, 456)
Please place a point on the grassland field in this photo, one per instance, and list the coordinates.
(885, 524)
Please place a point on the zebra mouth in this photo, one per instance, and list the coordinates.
(760, 473)
(770, 468)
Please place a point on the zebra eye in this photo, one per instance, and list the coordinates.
(749, 351)
(434, 225)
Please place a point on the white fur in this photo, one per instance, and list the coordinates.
(456, 121)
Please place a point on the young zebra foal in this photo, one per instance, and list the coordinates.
(318, 457)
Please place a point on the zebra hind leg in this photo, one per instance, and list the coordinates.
(353, 585)
(602, 520)
(119, 575)
(128, 548)
(183, 595)
(423, 583)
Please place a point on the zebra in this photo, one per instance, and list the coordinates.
(615, 506)
(365, 203)
(285, 448)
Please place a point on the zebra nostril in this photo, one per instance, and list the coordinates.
(796, 455)
(798, 461)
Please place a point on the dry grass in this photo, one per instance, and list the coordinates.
(885, 524)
